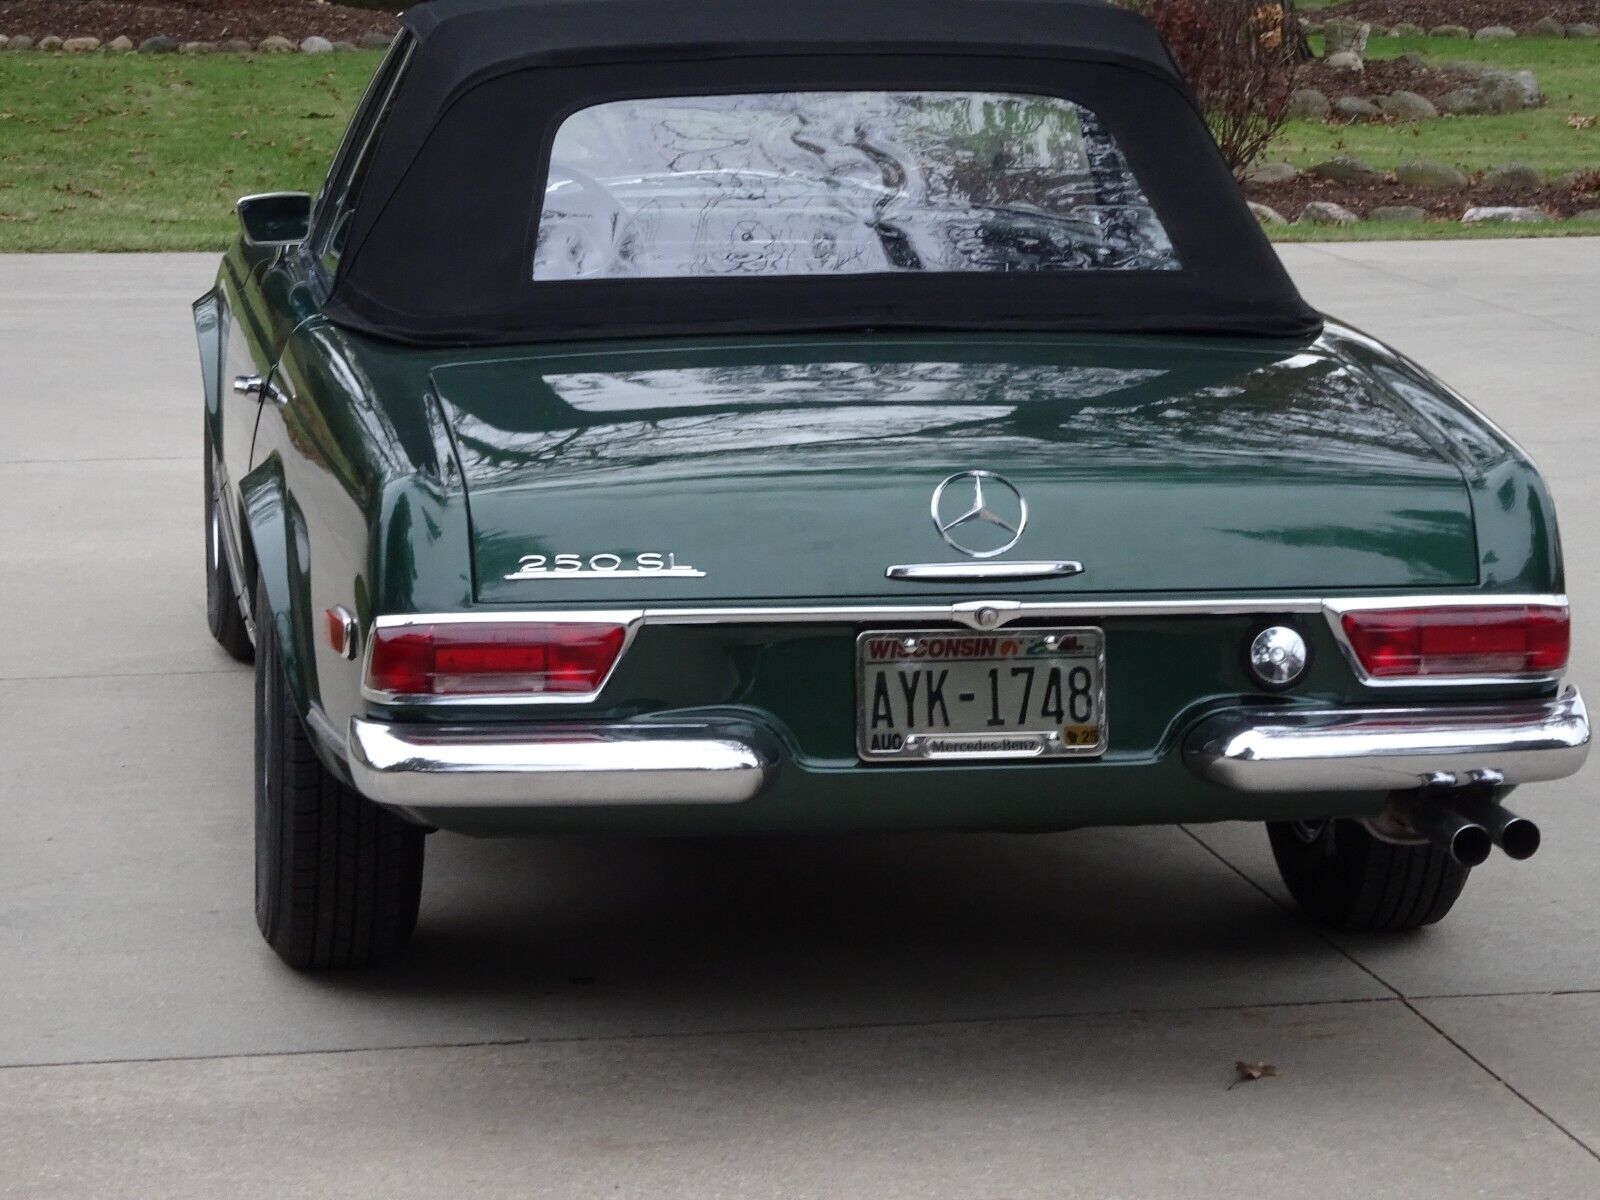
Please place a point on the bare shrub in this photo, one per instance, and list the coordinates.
(1240, 59)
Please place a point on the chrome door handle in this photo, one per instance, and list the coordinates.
(249, 385)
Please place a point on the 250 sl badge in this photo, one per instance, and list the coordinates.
(590, 566)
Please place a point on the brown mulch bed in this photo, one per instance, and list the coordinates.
(1474, 14)
(1380, 77)
(1361, 198)
(197, 22)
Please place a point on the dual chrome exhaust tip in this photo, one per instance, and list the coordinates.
(1467, 827)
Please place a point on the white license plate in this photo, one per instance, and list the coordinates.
(940, 693)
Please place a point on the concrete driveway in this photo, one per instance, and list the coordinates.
(969, 1017)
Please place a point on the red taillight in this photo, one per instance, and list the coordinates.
(486, 658)
(1522, 639)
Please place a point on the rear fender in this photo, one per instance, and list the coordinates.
(280, 548)
(208, 334)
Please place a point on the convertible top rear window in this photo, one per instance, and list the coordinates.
(584, 169)
(841, 183)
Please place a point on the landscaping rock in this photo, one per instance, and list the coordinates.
(1345, 36)
(1267, 215)
(275, 45)
(316, 45)
(1546, 27)
(197, 48)
(1494, 33)
(1354, 108)
(1325, 212)
(4, 41)
(1532, 97)
(1421, 173)
(1345, 169)
(1398, 212)
(373, 40)
(234, 46)
(1344, 60)
(1407, 29)
(1449, 31)
(80, 45)
(1308, 104)
(1583, 30)
(49, 42)
(20, 41)
(121, 44)
(1519, 216)
(160, 44)
(1513, 177)
(1407, 106)
(1464, 102)
(1272, 172)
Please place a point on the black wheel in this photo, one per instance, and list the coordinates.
(1347, 878)
(338, 879)
(222, 603)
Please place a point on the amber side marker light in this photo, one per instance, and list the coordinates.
(490, 659)
(1407, 643)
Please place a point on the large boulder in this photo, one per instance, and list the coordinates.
(197, 48)
(160, 44)
(1267, 215)
(1407, 106)
(1308, 104)
(1345, 169)
(1494, 33)
(373, 40)
(80, 45)
(1464, 102)
(1398, 212)
(1496, 212)
(275, 45)
(121, 44)
(1344, 36)
(1345, 60)
(1449, 31)
(1422, 173)
(19, 41)
(1514, 177)
(50, 42)
(234, 46)
(1583, 29)
(1325, 212)
(316, 45)
(1354, 108)
(1546, 27)
(1272, 172)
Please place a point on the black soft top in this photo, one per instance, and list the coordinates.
(439, 249)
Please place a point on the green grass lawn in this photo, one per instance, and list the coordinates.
(135, 152)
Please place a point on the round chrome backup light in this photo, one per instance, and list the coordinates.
(1278, 656)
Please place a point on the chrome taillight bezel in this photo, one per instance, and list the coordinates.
(1335, 610)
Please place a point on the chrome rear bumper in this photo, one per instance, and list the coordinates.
(1391, 749)
(489, 766)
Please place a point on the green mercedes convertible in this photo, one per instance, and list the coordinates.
(728, 417)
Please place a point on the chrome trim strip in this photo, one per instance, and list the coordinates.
(497, 766)
(1333, 610)
(1390, 749)
(983, 615)
(983, 571)
(629, 619)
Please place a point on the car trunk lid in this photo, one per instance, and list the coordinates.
(803, 469)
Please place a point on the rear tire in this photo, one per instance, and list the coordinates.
(338, 879)
(1347, 878)
(223, 614)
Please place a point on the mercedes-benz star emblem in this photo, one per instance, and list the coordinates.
(984, 508)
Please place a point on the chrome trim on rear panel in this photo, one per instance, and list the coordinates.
(1391, 749)
(984, 615)
(543, 766)
(978, 572)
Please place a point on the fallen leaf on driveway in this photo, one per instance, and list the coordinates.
(1249, 1072)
